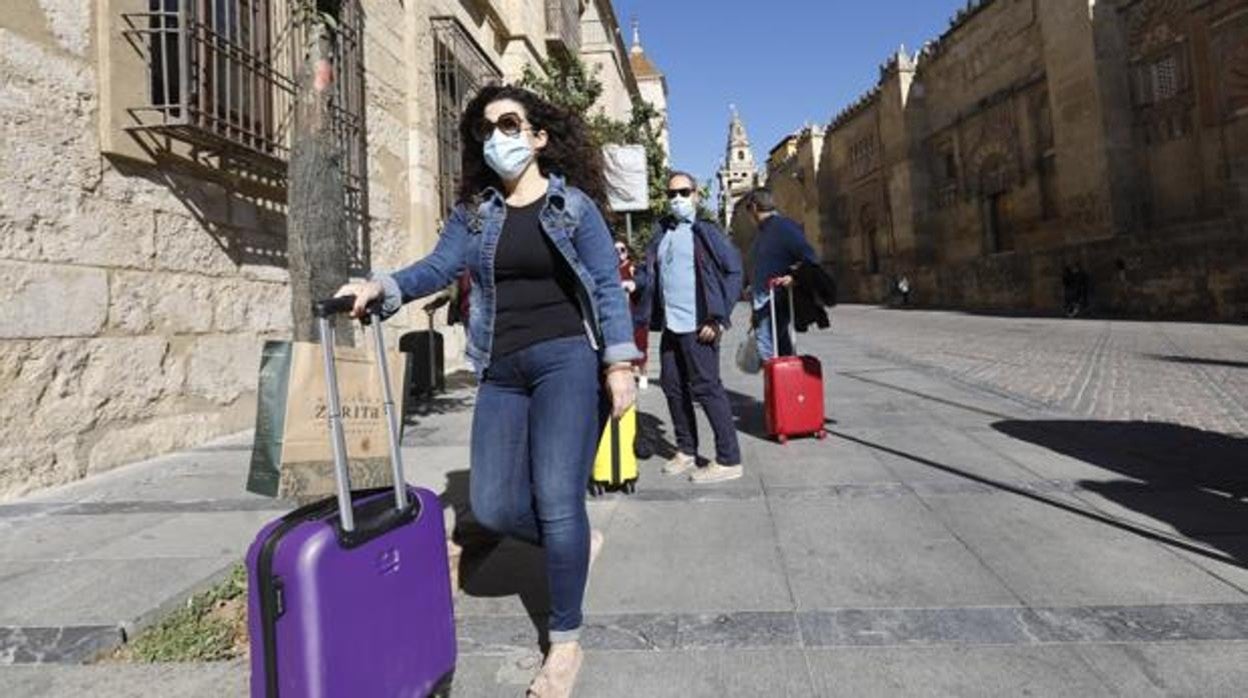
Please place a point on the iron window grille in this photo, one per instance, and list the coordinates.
(221, 81)
(460, 69)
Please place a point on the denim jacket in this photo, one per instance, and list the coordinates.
(718, 265)
(470, 239)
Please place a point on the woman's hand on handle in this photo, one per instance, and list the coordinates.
(365, 293)
(622, 388)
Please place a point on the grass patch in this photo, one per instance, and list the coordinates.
(211, 627)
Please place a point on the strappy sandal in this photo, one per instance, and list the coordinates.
(552, 682)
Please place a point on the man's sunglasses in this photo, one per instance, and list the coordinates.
(683, 193)
(511, 124)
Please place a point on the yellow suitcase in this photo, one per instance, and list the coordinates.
(615, 466)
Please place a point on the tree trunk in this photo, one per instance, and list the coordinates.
(317, 244)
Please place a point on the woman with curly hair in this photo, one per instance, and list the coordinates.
(548, 328)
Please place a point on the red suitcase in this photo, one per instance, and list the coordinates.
(792, 388)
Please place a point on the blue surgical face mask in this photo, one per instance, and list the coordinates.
(508, 155)
(682, 207)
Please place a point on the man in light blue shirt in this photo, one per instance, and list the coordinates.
(689, 284)
(680, 285)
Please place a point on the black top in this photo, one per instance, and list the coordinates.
(536, 287)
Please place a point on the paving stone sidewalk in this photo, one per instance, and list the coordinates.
(1195, 374)
(949, 539)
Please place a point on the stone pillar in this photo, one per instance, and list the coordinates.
(897, 162)
(1088, 91)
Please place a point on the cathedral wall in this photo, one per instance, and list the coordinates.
(857, 223)
(1037, 134)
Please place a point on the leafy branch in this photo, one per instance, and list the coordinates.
(569, 83)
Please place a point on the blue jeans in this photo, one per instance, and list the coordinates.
(534, 433)
(690, 374)
(763, 333)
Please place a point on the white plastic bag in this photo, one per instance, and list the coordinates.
(748, 359)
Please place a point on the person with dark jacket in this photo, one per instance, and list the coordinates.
(689, 283)
(549, 335)
(779, 248)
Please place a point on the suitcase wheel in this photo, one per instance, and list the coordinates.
(443, 689)
(782, 439)
(821, 435)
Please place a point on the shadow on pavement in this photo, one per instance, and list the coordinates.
(652, 438)
(749, 413)
(490, 566)
(439, 405)
(1195, 480)
(1197, 361)
(1026, 493)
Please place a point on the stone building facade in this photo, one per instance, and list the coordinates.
(602, 49)
(652, 85)
(1036, 134)
(144, 257)
(793, 177)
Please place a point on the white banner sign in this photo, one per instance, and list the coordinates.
(628, 183)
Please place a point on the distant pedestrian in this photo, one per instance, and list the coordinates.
(690, 281)
(641, 333)
(903, 289)
(1081, 286)
(1074, 290)
(780, 246)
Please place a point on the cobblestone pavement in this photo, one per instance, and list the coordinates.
(954, 537)
(1184, 373)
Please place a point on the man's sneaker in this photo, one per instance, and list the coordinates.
(717, 473)
(679, 463)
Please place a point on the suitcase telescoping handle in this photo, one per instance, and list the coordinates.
(324, 311)
(775, 331)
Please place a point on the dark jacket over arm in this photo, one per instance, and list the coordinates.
(813, 291)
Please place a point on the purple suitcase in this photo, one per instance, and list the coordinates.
(353, 600)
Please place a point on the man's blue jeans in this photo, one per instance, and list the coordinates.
(764, 334)
(534, 433)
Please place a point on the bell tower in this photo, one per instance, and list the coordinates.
(739, 173)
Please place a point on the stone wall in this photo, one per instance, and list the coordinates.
(141, 294)
(602, 50)
(1032, 134)
(1193, 273)
(139, 297)
(856, 220)
(793, 177)
(129, 328)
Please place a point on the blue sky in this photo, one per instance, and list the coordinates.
(782, 62)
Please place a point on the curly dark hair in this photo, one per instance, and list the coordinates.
(569, 152)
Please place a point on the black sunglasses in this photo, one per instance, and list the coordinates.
(685, 193)
(511, 124)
